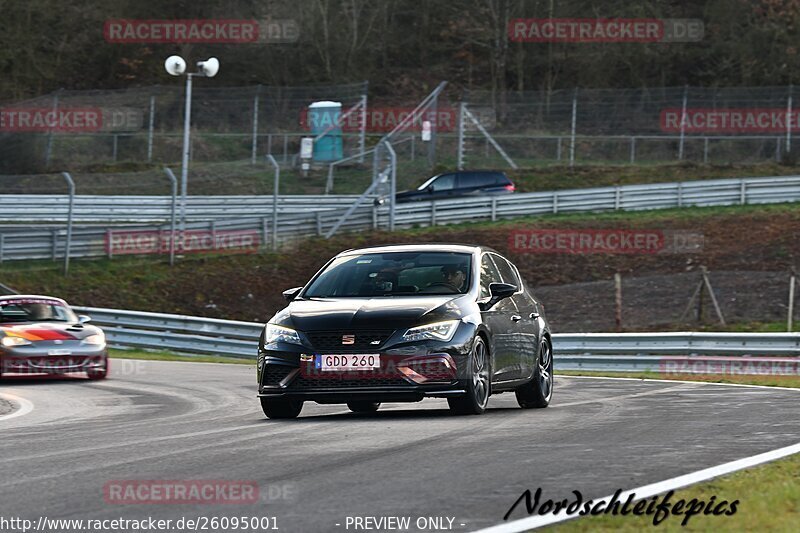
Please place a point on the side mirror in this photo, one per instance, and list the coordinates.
(83, 319)
(289, 294)
(498, 292)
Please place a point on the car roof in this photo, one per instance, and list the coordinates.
(31, 297)
(426, 247)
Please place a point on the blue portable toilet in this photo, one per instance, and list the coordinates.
(321, 116)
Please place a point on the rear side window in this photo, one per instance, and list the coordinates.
(471, 180)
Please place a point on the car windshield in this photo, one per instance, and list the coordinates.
(35, 310)
(393, 273)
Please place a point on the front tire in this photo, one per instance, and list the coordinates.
(363, 407)
(281, 408)
(477, 397)
(539, 390)
(95, 374)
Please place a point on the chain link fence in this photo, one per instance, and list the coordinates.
(666, 301)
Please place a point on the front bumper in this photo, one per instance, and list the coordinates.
(407, 372)
(49, 360)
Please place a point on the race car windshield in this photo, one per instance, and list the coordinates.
(35, 311)
(393, 274)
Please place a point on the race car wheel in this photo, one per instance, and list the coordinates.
(97, 374)
(477, 397)
(281, 408)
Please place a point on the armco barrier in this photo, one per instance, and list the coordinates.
(654, 352)
(305, 220)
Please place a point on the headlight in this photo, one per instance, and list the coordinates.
(438, 331)
(8, 342)
(98, 339)
(281, 334)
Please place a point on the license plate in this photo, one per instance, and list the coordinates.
(340, 362)
(59, 352)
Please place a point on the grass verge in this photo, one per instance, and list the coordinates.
(769, 494)
(167, 356)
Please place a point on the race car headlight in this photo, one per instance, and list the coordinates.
(438, 331)
(98, 339)
(9, 342)
(277, 333)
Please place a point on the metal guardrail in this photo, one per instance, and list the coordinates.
(573, 351)
(304, 222)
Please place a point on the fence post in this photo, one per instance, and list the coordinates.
(71, 185)
(705, 150)
(558, 148)
(791, 301)
(572, 132)
(150, 129)
(461, 107)
(254, 148)
(49, 149)
(319, 223)
(109, 243)
(362, 134)
(276, 188)
(778, 149)
(633, 150)
(54, 234)
(285, 147)
(264, 231)
(2, 246)
(789, 121)
(683, 121)
(618, 300)
(115, 141)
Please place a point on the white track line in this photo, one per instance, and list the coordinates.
(660, 487)
(25, 406)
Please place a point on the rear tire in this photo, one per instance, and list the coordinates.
(474, 402)
(281, 408)
(363, 407)
(539, 390)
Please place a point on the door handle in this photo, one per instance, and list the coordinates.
(516, 318)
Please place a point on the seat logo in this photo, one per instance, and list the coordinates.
(348, 339)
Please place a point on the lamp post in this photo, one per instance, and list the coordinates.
(176, 66)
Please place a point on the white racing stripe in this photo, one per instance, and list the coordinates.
(660, 487)
(25, 406)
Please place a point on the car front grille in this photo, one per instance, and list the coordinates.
(366, 341)
(274, 374)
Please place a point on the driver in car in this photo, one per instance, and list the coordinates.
(38, 311)
(454, 277)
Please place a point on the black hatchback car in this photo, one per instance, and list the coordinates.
(457, 184)
(405, 322)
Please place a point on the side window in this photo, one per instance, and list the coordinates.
(507, 272)
(444, 182)
(470, 180)
(489, 274)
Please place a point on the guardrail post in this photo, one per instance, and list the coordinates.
(617, 198)
(54, 234)
(743, 193)
(680, 194)
(433, 213)
(374, 217)
(555, 203)
(71, 185)
(264, 231)
(212, 224)
(319, 223)
(494, 209)
(2, 246)
(110, 243)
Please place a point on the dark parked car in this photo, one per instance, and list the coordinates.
(401, 323)
(42, 335)
(461, 183)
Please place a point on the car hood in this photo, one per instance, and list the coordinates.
(47, 331)
(368, 313)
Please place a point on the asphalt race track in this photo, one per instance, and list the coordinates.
(194, 421)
